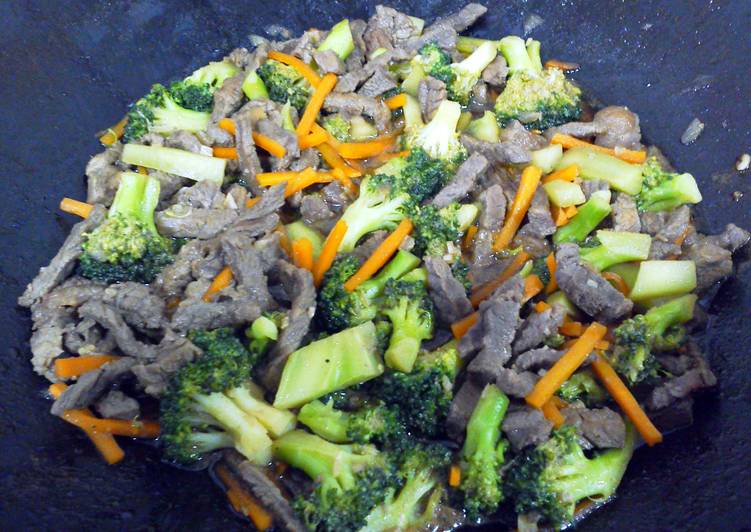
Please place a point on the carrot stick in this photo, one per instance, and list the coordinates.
(242, 501)
(617, 282)
(570, 211)
(364, 150)
(113, 134)
(626, 401)
(269, 144)
(571, 328)
(532, 287)
(328, 253)
(541, 306)
(552, 267)
(341, 176)
(306, 178)
(269, 179)
(228, 125)
(600, 345)
(561, 65)
(79, 208)
(224, 153)
(455, 476)
(334, 160)
(527, 186)
(559, 215)
(566, 174)
(630, 156)
(552, 414)
(395, 102)
(559, 403)
(488, 288)
(67, 368)
(304, 70)
(314, 105)
(460, 328)
(302, 253)
(251, 201)
(566, 365)
(469, 237)
(380, 256)
(314, 139)
(117, 427)
(219, 283)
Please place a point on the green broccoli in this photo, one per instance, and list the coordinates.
(551, 478)
(337, 126)
(439, 138)
(160, 112)
(263, 331)
(485, 128)
(285, 84)
(657, 330)
(437, 230)
(211, 403)
(430, 59)
(541, 270)
(409, 308)
(586, 220)
(461, 78)
(663, 191)
(460, 271)
(483, 454)
(609, 248)
(539, 98)
(196, 92)
(127, 246)
(583, 386)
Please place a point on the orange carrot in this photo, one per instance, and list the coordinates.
(228, 125)
(302, 253)
(334, 160)
(559, 403)
(395, 102)
(79, 208)
(219, 283)
(559, 215)
(527, 186)
(617, 282)
(222, 152)
(314, 139)
(269, 179)
(566, 365)
(251, 201)
(117, 427)
(242, 501)
(488, 288)
(571, 328)
(305, 179)
(561, 65)
(113, 134)
(304, 70)
(455, 476)
(601, 345)
(552, 414)
(328, 253)
(67, 368)
(460, 328)
(342, 177)
(469, 237)
(679, 241)
(630, 156)
(541, 306)
(380, 256)
(532, 287)
(364, 150)
(269, 144)
(314, 105)
(625, 399)
(570, 211)
(566, 174)
(552, 267)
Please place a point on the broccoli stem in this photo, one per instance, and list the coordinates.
(564, 194)
(438, 136)
(402, 263)
(299, 229)
(412, 113)
(287, 122)
(547, 158)
(586, 219)
(137, 197)
(325, 421)
(171, 117)
(663, 278)
(514, 49)
(467, 45)
(403, 348)
(533, 51)
(401, 513)
(669, 194)
(675, 312)
(174, 161)
(276, 421)
(478, 60)
(621, 175)
(616, 247)
(339, 40)
(413, 79)
(485, 128)
(484, 427)
(254, 88)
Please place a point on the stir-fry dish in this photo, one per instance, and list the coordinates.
(382, 277)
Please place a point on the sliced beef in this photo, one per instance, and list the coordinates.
(540, 223)
(535, 359)
(302, 46)
(529, 241)
(139, 307)
(463, 181)
(388, 28)
(526, 426)
(679, 415)
(169, 184)
(380, 81)
(430, 93)
(537, 327)
(699, 376)
(285, 138)
(316, 213)
(182, 221)
(515, 383)
(493, 210)
(102, 175)
(732, 238)
(461, 409)
(587, 289)
(196, 259)
(612, 126)
(336, 197)
(590, 186)
(92, 384)
(185, 140)
(448, 294)
(515, 133)
(228, 97)
(625, 216)
(116, 405)
(328, 61)
(112, 320)
(247, 157)
(672, 227)
(444, 31)
(497, 152)
(62, 264)
(85, 336)
(173, 353)
(202, 195)
(462, 19)
(369, 244)
(356, 104)
(496, 72)
(601, 427)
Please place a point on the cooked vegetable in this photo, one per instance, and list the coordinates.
(438, 231)
(586, 220)
(328, 252)
(547, 158)
(67, 368)
(582, 386)
(527, 186)
(407, 305)
(609, 248)
(173, 161)
(485, 128)
(339, 40)
(630, 156)
(663, 191)
(218, 283)
(315, 103)
(263, 331)
(438, 138)
(564, 194)
(299, 230)
(482, 293)
(460, 78)
(663, 278)
(254, 88)
(595, 165)
(338, 127)
(285, 84)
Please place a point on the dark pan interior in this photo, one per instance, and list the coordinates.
(69, 68)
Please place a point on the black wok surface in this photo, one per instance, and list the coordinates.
(69, 68)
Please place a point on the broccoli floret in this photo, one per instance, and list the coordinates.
(196, 92)
(483, 454)
(285, 84)
(424, 395)
(160, 112)
(551, 478)
(485, 128)
(339, 308)
(127, 246)
(431, 59)
(539, 98)
(350, 480)
(582, 386)
(263, 331)
(337, 126)
(409, 308)
(659, 329)
(461, 78)
(460, 271)
(586, 220)
(541, 270)
(663, 191)
(439, 138)
(211, 403)
(615, 247)
(437, 230)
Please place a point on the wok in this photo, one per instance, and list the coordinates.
(70, 68)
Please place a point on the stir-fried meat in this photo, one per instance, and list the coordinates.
(534, 359)
(92, 384)
(601, 427)
(172, 353)
(516, 383)
(448, 294)
(515, 133)
(538, 327)
(379, 82)
(388, 28)
(101, 175)
(625, 216)
(116, 405)
(672, 389)
(496, 72)
(613, 126)
(540, 222)
(463, 181)
(139, 306)
(328, 61)
(357, 104)
(430, 93)
(184, 140)
(113, 321)
(461, 408)
(498, 152)
(189, 222)
(525, 426)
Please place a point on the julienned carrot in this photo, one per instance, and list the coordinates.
(552, 414)
(364, 150)
(269, 179)
(302, 253)
(561, 65)
(625, 399)
(328, 253)
(469, 237)
(395, 102)
(79, 208)
(380, 256)
(67, 368)
(228, 125)
(571, 328)
(305, 179)
(304, 70)
(460, 328)
(314, 139)
(251, 201)
(242, 501)
(600, 345)
(219, 283)
(617, 282)
(117, 427)
(269, 144)
(630, 156)
(566, 174)
(541, 306)
(570, 211)
(527, 186)
(334, 160)
(488, 288)
(315, 103)
(532, 287)
(559, 215)
(566, 365)
(552, 266)
(104, 442)
(455, 476)
(223, 152)
(113, 134)
(342, 177)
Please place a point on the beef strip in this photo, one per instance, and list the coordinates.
(534, 359)
(516, 383)
(448, 294)
(247, 157)
(86, 337)
(102, 175)
(537, 327)
(182, 221)
(302, 46)
(463, 181)
(540, 223)
(612, 126)
(732, 238)
(591, 186)
(356, 104)
(169, 184)
(713, 255)
(444, 30)
(336, 197)
(228, 97)
(388, 28)
(379, 82)
(587, 289)
(92, 384)
(679, 415)
(112, 320)
(316, 213)
(461, 409)
(675, 224)
(497, 152)
(496, 72)
(369, 244)
(265, 491)
(62, 264)
(625, 216)
(462, 19)
(185, 140)
(672, 389)
(139, 307)
(202, 195)
(515, 133)
(601, 427)
(525, 426)
(196, 259)
(430, 93)
(117, 405)
(328, 61)
(172, 353)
